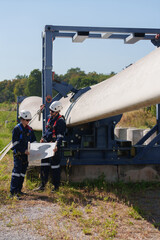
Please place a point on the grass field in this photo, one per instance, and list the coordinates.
(7, 113)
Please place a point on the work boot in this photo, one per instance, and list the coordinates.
(21, 193)
(40, 188)
(55, 189)
(15, 196)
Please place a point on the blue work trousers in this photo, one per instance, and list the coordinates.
(51, 164)
(18, 173)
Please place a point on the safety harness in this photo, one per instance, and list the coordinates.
(53, 127)
(21, 131)
(21, 135)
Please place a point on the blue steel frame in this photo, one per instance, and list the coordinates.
(97, 155)
(52, 32)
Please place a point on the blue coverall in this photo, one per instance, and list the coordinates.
(20, 138)
(55, 130)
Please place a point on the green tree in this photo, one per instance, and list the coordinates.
(20, 87)
(72, 74)
(34, 83)
(23, 85)
(21, 76)
(6, 91)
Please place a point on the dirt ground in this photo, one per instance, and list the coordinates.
(38, 216)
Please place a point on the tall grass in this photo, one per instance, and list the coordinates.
(8, 106)
(139, 119)
(6, 127)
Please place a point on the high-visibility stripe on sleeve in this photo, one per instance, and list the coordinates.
(15, 143)
(55, 166)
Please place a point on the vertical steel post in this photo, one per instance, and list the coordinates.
(42, 81)
(46, 72)
(158, 117)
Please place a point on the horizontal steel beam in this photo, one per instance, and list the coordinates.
(54, 28)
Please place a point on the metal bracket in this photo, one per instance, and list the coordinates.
(79, 93)
(64, 88)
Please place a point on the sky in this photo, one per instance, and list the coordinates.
(22, 23)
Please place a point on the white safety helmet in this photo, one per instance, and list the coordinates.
(56, 106)
(25, 115)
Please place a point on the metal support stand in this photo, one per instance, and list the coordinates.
(46, 73)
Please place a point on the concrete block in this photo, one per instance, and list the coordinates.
(138, 173)
(116, 132)
(120, 133)
(81, 172)
(134, 135)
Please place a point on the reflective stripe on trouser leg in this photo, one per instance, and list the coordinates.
(55, 166)
(45, 167)
(14, 182)
(18, 173)
(45, 164)
(22, 175)
(55, 169)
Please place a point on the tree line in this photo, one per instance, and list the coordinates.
(24, 85)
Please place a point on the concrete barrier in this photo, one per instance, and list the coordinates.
(82, 172)
(125, 173)
(138, 173)
(121, 133)
(132, 134)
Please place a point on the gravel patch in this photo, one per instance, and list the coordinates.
(22, 220)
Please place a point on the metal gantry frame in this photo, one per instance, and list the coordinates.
(79, 34)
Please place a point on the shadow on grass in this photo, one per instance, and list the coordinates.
(143, 197)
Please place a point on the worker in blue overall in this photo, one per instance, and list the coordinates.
(54, 132)
(21, 135)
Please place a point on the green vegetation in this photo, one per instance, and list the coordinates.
(31, 85)
(21, 86)
(142, 118)
(7, 122)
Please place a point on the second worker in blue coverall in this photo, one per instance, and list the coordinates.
(54, 132)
